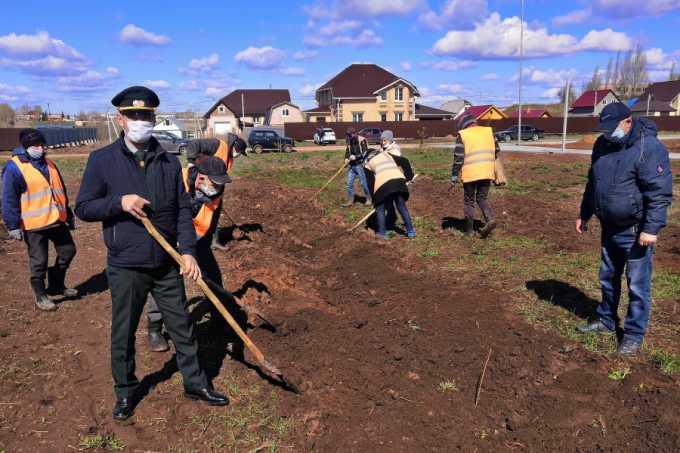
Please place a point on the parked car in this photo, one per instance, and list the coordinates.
(371, 135)
(324, 136)
(528, 133)
(170, 142)
(261, 140)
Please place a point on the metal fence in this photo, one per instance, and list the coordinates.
(430, 129)
(56, 137)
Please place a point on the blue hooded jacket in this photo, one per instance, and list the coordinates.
(630, 183)
(14, 184)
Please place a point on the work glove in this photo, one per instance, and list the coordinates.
(352, 158)
(455, 179)
(16, 235)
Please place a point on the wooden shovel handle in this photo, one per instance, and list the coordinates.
(211, 295)
(344, 164)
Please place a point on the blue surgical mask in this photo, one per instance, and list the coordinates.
(618, 133)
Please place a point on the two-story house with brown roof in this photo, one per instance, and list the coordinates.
(364, 92)
(659, 99)
(242, 108)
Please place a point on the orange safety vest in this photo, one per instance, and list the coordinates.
(480, 154)
(44, 202)
(224, 154)
(203, 219)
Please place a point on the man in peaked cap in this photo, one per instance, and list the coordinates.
(132, 178)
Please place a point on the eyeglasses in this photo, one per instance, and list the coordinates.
(139, 115)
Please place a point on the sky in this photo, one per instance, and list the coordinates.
(76, 55)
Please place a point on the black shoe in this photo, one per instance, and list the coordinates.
(157, 342)
(595, 326)
(55, 283)
(488, 229)
(42, 302)
(123, 409)
(629, 347)
(208, 395)
(469, 226)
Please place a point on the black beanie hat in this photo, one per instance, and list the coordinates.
(31, 137)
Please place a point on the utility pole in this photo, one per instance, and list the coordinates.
(649, 97)
(243, 111)
(519, 90)
(566, 115)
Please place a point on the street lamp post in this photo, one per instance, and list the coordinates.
(519, 90)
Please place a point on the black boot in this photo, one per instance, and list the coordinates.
(123, 409)
(42, 302)
(488, 229)
(56, 285)
(156, 339)
(469, 226)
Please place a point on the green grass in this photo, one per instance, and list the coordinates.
(668, 363)
(666, 285)
(448, 386)
(98, 442)
(619, 374)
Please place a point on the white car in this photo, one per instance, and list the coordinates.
(324, 136)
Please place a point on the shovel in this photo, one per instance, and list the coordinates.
(216, 302)
(344, 164)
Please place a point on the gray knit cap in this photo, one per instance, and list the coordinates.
(387, 135)
(466, 121)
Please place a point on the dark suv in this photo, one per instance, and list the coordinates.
(372, 135)
(528, 133)
(269, 140)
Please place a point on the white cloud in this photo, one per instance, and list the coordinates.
(367, 38)
(157, 84)
(633, 8)
(38, 45)
(309, 89)
(577, 16)
(657, 59)
(406, 66)
(547, 78)
(454, 88)
(112, 71)
(214, 92)
(206, 63)
(448, 65)
(498, 38)
(261, 57)
(137, 36)
(456, 14)
(552, 93)
(373, 8)
(490, 76)
(189, 85)
(335, 27)
(305, 54)
(89, 81)
(47, 66)
(291, 71)
(12, 93)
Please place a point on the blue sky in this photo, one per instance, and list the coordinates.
(77, 55)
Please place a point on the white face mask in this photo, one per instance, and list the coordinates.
(139, 131)
(208, 190)
(35, 152)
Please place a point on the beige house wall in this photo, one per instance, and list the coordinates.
(221, 114)
(294, 115)
(373, 108)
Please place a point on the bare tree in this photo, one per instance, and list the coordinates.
(6, 115)
(596, 81)
(563, 91)
(609, 74)
(673, 75)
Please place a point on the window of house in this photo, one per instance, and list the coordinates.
(398, 116)
(357, 117)
(284, 112)
(221, 109)
(383, 96)
(383, 116)
(399, 94)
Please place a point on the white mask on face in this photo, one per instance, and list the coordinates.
(208, 190)
(35, 152)
(139, 131)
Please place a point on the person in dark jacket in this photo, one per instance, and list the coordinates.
(133, 178)
(355, 154)
(35, 209)
(205, 182)
(629, 190)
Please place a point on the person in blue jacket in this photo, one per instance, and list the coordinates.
(629, 190)
(38, 214)
(133, 178)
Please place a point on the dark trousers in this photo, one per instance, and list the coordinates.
(477, 191)
(38, 251)
(129, 290)
(620, 250)
(209, 269)
(400, 203)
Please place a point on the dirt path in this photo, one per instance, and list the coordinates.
(386, 350)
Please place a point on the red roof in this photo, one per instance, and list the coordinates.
(530, 113)
(360, 81)
(590, 98)
(477, 110)
(255, 102)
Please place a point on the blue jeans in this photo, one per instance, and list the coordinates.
(399, 201)
(354, 172)
(620, 250)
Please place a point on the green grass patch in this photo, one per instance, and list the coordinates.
(619, 374)
(98, 442)
(668, 363)
(666, 285)
(448, 386)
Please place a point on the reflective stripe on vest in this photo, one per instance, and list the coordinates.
(224, 154)
(203, 219)
(480, 154)
(44, 202)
